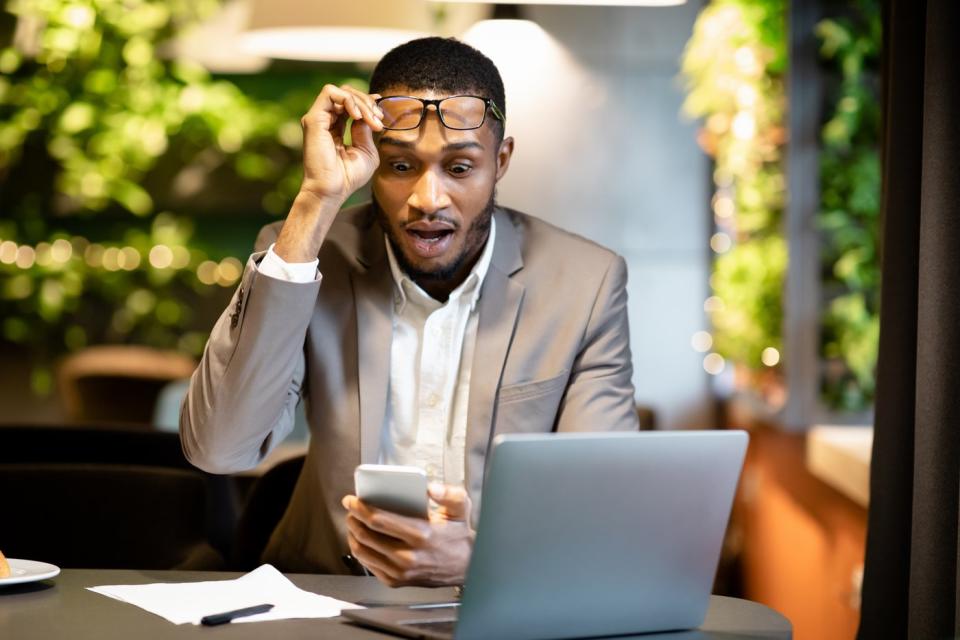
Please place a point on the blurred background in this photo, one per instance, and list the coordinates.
(728, 149)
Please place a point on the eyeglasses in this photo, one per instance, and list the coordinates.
(456, 112)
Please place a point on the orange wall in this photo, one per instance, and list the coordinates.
(803, 542)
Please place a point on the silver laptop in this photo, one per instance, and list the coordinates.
(589, 534)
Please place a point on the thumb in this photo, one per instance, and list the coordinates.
(453, 500)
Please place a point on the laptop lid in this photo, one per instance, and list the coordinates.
(594, 534)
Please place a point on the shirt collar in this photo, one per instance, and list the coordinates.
(410, 291)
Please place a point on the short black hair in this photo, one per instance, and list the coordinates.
(444, 65)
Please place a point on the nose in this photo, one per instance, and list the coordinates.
(429, 194)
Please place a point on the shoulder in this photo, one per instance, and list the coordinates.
(547, 249)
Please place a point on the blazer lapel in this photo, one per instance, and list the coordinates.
(499, 307)
(373, 295)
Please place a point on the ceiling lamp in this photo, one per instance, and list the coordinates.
(346, 31)
(214, 43)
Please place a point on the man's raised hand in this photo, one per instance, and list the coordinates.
(332, 171)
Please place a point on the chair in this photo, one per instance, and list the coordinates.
(265, 505)
(647, 417)
(118, 383)
(110, 498)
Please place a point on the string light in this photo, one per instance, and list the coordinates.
(701, 341)
(714, 364)
(207, 272)
(93, 255)
(770, 357)
(720, 242)
(25, 256)
(161, 256)
(128, 258)
(61, 251)
(229, 271)
(713, 303)
(723, 206)
(8, 252)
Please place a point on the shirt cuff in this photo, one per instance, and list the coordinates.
(274, 266)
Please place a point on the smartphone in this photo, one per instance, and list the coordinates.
(396, 488)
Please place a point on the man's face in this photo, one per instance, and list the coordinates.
(434, 192)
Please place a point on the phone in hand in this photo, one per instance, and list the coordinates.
(396, 488)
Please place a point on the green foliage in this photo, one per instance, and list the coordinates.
(749, 280)
(850, 203)
(734, 66)
(96, 124)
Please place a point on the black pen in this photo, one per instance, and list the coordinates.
(227, 616)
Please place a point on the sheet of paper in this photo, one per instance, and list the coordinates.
(185, 602)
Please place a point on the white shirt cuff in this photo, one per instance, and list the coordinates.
(276, 267)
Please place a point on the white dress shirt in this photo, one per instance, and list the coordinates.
(431, 354)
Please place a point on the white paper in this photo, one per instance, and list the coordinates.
(185, 602)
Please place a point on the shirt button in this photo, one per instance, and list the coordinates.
(433, 400)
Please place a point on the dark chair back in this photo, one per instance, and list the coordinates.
(110, 498)
(266, 504)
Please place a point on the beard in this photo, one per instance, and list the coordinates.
(477, 234)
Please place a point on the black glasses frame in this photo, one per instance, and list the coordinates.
(490, 106)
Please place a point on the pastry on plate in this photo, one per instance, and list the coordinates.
(4, 567)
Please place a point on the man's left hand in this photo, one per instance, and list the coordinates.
(404, 551)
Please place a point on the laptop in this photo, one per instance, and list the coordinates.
(588, 534)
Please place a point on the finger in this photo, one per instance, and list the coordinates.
(361, 137)
(380, 566)
(369, 100)
(326, 107)
(453, 500)
(399, 553)
(409, 530)
(370, 112)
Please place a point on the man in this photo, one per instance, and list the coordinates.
(414, 328)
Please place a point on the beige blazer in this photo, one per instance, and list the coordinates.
(552, 354)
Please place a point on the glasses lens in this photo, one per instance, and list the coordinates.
(463, 112)
(401, 113)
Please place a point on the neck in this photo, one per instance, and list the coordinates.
(440, 288)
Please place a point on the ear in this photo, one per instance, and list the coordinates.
(504, 153)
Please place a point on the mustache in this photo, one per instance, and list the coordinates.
(430, 218)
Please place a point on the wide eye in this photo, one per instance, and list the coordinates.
(400, 166)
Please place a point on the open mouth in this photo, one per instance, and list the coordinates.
(430, 236)
(429, 242)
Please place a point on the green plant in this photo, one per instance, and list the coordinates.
(102, 137)
(850, 203)
(734, 66)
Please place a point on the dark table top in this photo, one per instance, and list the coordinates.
(63, 608)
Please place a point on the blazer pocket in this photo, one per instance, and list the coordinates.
(528, 390)
(530, 407)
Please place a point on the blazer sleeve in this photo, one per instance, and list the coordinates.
(243, 395)
(600, 395)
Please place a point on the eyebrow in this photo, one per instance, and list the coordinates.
(453, 146)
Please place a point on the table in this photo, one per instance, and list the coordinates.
(63, 608)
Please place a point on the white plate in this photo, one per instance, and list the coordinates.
(28, 571)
